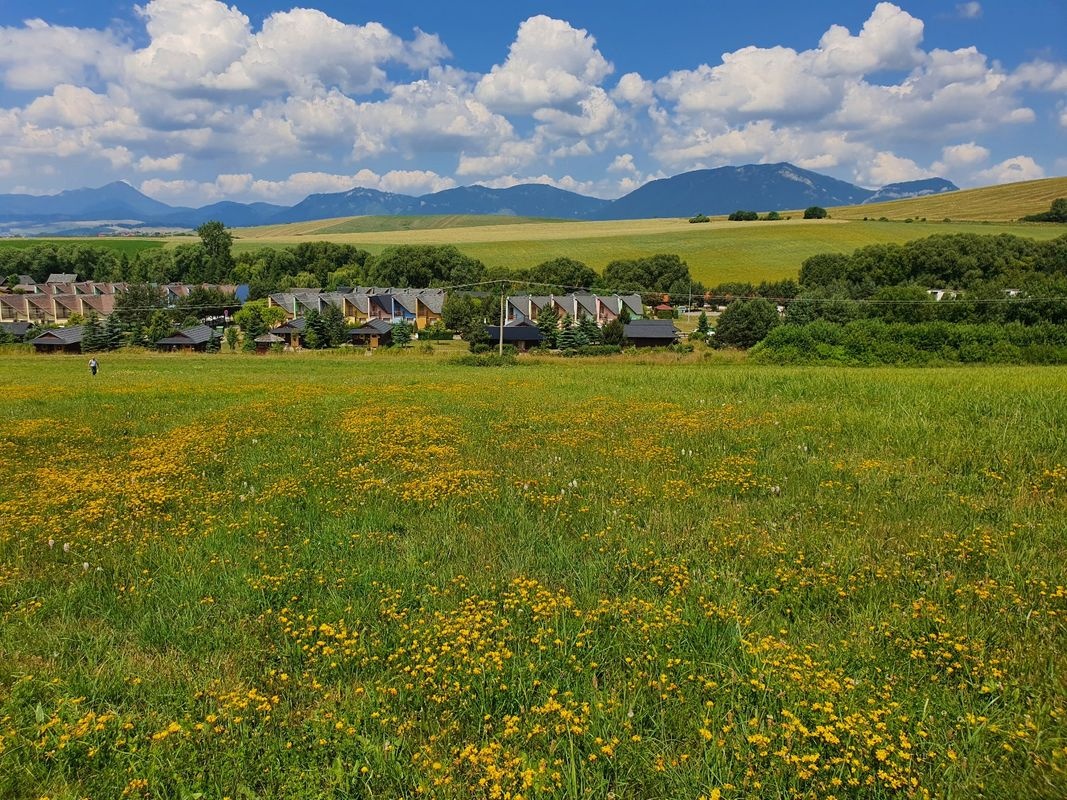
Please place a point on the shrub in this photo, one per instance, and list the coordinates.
(700, 218)
(744, 216)
(486, 360)
(815, 212)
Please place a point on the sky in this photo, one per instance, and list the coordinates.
(197, 101)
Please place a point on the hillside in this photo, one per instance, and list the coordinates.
(717, 251)
(383, 223)
(1004, 203)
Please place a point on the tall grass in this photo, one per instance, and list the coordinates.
(390, 576)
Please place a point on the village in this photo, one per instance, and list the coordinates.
(56, 315)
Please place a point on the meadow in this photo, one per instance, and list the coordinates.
(716, 252)
(340, 576)
(130, 247)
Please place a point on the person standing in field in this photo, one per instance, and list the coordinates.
(93, 365)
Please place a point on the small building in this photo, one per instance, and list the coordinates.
(60, 340)
(194, 339)
(267, 341)
(523, 335)
(375, 333)
(651, 333)
(292, 332)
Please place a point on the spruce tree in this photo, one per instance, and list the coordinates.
(567, 338)
(548, 325)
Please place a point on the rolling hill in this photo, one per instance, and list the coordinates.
(1009, 201)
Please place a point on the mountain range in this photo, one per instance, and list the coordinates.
(757, 187)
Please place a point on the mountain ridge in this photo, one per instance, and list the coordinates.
(760, 187)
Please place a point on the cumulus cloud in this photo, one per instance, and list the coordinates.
(1019, 168)
(888, 167)
(295, 187)
(202, 85)
(40, 56)
(623, 163)
(549, 65)
(971, 10)
(634, 89)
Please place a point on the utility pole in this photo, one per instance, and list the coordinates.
(500, 347)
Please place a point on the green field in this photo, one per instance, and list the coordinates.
(128, 246)
(716, 252)
(330, 576)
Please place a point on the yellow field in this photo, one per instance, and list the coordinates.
(994, 203)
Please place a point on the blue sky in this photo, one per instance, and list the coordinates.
(195, 101)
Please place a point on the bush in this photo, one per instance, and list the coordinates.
(815, 212)
(874, 342)
(486, 360)
(437, 332)
(700, 218)
(744, 216)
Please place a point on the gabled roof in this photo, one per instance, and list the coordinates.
(373, 327)
(651, 329)
(195, 334)
(433, 299)
(60, 336)
(269, 338)
(15, 301)
(298, 325)
(17, 329)
(62, 277)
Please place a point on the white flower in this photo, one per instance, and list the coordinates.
(66, 547)
(51, 543)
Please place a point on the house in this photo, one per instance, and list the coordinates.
(14, 308)
(17, 330)
(292, 332)
(600, 308)
(61, 277)
(266, 342)
(194, 339)
(651, 333)
(375, 333)
(522, 335)
(60, 340)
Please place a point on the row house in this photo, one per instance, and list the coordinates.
(58, 299)
(421, 307)
(602, 309)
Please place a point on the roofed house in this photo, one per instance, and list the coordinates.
(60, 340)
(14, 308)
(602, 309)
(375, 333)
(292, 332)
(522, 335)
(651, 333)
(62, 277)
(194, 339)
(267, 341)
(16, 330)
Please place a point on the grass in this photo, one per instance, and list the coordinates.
(408, 223)
(128, 246)
(1010, 201)
(716, 252)
(320, 576)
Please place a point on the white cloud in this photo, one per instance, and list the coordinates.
(302, 49)
(623, 163)
(1011, 170)
(971, 10)
(550, 65)
(40, 56)
(509, 156)
(888, 167)
(957, 157)
(889, 40)
(294, 188)
(635, 90)
(6, 167)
